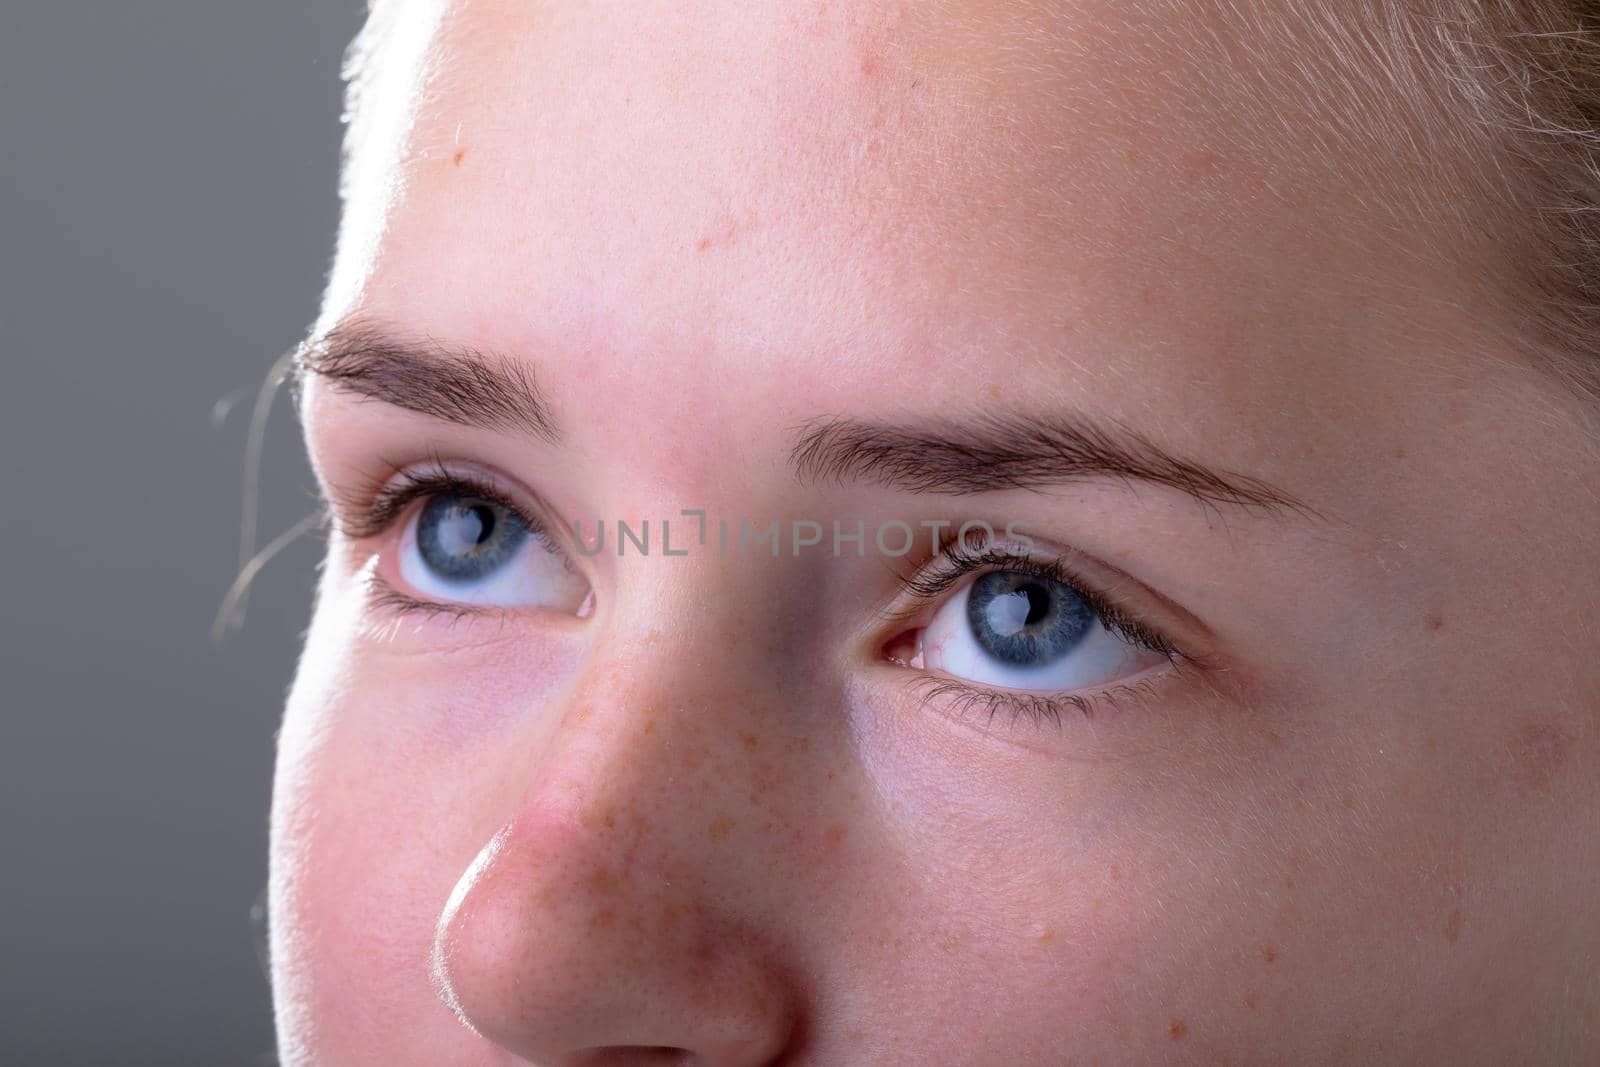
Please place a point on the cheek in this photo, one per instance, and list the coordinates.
(1031, 907)
(362, 864)
(1187, 918)
(1205, 896)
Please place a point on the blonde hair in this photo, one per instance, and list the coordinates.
(1526, 74)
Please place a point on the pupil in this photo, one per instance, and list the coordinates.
(485, 521)
(1013, 612)
(1038, 604)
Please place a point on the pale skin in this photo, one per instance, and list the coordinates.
(714, 815)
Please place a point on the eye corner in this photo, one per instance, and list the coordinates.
(904, 649)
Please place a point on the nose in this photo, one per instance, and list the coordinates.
(595, 928)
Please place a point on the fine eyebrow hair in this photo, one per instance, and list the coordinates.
(1012, 451)
(473, 387)
(457, 383)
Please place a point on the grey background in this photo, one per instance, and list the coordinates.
(167, 209)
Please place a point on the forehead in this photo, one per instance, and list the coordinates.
(881, 191)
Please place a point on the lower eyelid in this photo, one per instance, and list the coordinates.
(965, 699)
(1031, 710)
(386, 596)
(394, 623)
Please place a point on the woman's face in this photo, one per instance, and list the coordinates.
(1267, 735)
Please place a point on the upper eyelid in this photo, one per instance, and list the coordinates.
(369, 512)
(1070, 566)
(1187, 632)
(950, 567)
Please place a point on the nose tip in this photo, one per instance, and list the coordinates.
(566, 943)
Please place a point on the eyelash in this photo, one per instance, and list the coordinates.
(1038, 708)
(370, 514)
(956, 561)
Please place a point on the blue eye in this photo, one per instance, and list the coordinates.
(464, 548)
(1026, 621)
(464, 539)
(1018, 630)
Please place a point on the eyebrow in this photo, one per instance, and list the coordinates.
(471, 386)
(1001, 452)
(457, 383)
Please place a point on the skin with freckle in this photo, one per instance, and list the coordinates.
(711, 822)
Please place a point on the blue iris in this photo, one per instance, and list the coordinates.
(465, 538)
(1024, 620)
